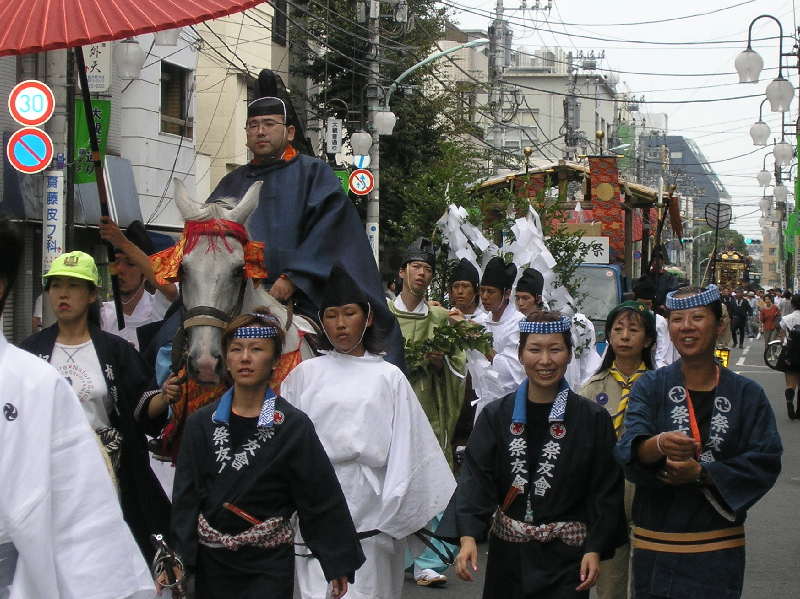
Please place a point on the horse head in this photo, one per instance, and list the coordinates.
(212, 281)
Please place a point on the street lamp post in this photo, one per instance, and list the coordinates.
(749, 64)
(381, 122)
(764, 176)
(759, 130)
(779, 93)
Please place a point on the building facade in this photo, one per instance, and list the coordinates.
(182, 117)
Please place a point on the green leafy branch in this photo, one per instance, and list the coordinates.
(449, 339)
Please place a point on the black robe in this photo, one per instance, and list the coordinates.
(587, 487)
(145, 506)
(288, 473)
(308, 224)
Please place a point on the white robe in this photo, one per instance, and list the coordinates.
(664, 352)
(504, 374)
(585, 359)
(386, 456)
(58, 506)
(149, 308)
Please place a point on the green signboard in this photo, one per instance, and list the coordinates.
(625, 136)
(84, 167)
(344, 177)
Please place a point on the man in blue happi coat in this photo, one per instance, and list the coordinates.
(701, 445)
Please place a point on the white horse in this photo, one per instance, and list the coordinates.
(215, 290)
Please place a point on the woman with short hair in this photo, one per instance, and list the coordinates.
(108, 376)
(247, 463)
(701, 445)
(539, 477)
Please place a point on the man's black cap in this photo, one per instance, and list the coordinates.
(499, 274)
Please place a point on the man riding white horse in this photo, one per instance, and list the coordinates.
(303, 216)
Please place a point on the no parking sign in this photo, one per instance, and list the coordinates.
(30, 150)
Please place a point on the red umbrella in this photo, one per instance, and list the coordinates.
(40, 25)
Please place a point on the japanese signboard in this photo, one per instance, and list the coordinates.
(98, 66)
(84, 167)
(333, 135)
(373, 232)
(597, 249)
(53, 218)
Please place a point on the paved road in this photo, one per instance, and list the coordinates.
(773, 531)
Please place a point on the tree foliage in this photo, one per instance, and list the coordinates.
(434, 157)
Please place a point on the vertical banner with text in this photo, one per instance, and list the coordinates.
(52, 218)
(84, 167)
(606, 205)
(98, 66)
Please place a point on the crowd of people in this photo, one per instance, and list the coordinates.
(632, 471)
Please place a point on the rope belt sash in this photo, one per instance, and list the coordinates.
(688, 542)
(513, 531)
(267, 535)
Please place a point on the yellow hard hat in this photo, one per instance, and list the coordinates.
(78, 265)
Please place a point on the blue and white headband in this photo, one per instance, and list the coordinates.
(708, 295)
(546, 328)
(255, 333)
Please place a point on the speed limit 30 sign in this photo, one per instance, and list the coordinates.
(31, 103)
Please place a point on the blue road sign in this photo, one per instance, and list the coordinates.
(30, 150)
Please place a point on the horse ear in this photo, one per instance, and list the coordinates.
(247, 204)
(188, 208)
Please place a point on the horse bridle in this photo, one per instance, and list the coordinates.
(209, 316)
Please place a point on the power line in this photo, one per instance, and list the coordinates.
(621, 72)
(319, 40)
(652, 22)
(601, 99)
(382, 44)
(487, 14)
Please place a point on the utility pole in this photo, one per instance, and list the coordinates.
(374, 94)
(781, 208)
(500, 36)
(500, 39)
(572, 112)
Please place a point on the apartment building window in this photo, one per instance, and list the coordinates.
(175, 93)
(772, 251)
(467, 101)
(279, 26)
(549, 60)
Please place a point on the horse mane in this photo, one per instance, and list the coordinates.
(215, 229)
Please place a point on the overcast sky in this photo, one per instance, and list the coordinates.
(720, 128)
